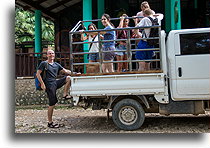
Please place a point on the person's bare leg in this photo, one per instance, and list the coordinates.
(107, 67)
(125, 64)
(50, 113)
(147, 66)
(67, 86)
(119, 65)
(103, 68)
(141, 66)
(112, 67)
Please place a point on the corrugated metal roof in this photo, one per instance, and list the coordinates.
(49, 8)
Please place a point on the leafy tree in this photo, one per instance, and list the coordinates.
(25, 27)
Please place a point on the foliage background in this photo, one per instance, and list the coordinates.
(25, 27)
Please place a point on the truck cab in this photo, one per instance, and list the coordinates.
(187, 71)
(188, 64)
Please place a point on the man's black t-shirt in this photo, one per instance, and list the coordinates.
(51, 72)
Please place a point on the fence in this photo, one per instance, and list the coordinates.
(26, 63)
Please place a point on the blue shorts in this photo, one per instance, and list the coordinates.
(144, 55)
(121, 47)
(108, 56)
(93, 57)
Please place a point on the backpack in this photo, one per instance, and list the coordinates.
(153, 33)
(43, 75)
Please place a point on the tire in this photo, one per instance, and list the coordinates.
(128, 114)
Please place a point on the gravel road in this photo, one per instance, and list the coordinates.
(77, 120)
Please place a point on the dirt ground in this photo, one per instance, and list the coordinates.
(78, 120)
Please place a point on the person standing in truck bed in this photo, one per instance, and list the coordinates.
(108, 46)
(148, 54)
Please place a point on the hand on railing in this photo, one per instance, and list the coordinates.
(81, 31)
(76, 73)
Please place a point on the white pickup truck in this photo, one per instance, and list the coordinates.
(181, 86)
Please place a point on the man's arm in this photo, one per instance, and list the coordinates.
(40, 79)
(136, 31)
(138, 34)
(66, 71)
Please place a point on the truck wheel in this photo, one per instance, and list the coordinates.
(128, 114)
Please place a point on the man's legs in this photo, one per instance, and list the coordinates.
(67, 86)
(51, 92)
(50, 113)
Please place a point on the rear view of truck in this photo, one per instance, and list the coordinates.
(129, 95)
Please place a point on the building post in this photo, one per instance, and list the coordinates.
(172, 15)
(87, 15)
(100, 7)
(38, 31)
(195, 4)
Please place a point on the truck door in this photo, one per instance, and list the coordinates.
(192, 63)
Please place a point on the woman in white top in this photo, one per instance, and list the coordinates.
(93, 47)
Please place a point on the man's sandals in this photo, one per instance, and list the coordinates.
(67, 97)
(54, 125)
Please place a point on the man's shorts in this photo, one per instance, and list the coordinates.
(144, 55)
(51, 88)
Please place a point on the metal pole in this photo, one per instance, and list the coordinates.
(71, 51)
(87, 14)
(100, 52)
(159, 32)
(38, 32)
(112, 19)
(172, 15)
(129, 50)
(100, 7)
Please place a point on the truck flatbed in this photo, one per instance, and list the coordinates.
(118, 73)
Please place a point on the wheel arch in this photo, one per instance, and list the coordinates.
(139, 98)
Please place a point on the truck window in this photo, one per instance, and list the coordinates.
(195, 43)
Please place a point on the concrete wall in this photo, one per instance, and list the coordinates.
(26, 94)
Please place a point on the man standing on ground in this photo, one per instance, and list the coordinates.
(50, 84)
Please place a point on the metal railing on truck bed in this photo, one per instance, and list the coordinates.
(131, 48)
